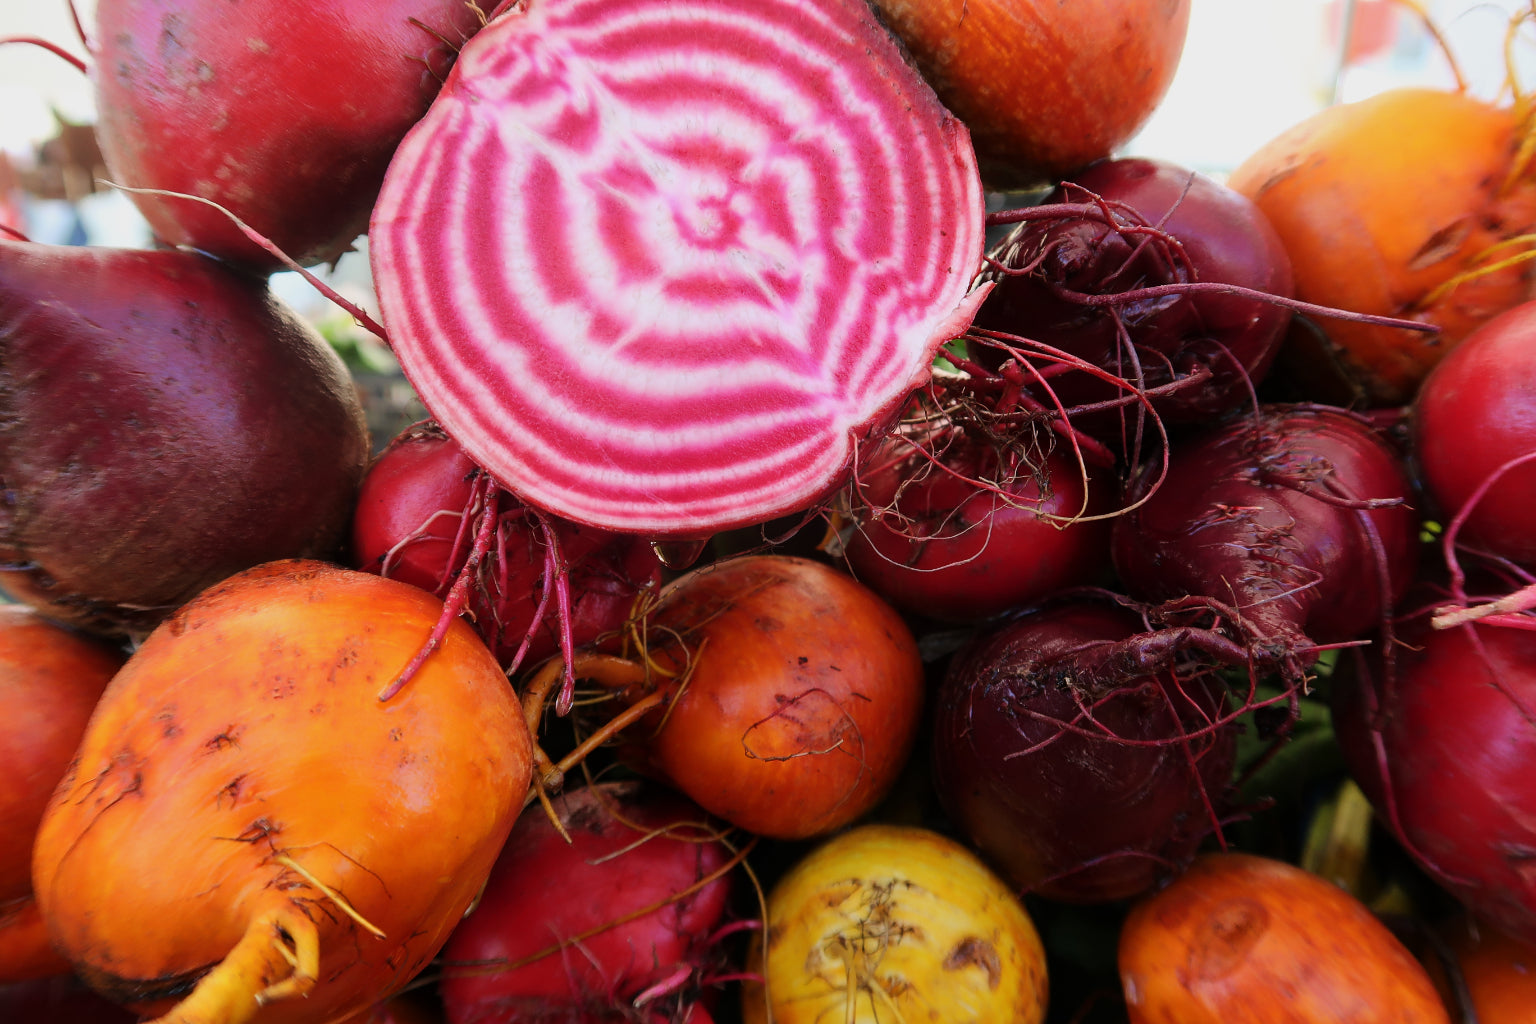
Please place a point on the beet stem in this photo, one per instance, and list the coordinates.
(53, 48)
(458, 596)
(367, 322)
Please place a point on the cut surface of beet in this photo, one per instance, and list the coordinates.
(660, 268)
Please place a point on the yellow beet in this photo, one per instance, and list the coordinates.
(887, 923)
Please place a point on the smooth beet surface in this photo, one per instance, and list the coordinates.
(1075, 758)
(1296, 516)
(286, 114)
(570, 930)
(164, 423)
(1475, 425)
(1161, 225)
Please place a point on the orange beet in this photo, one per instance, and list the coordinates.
(1497, 973)
(248, 823)
(1381, 205)
(1044, 87)
(50, 680)
(801, 699)
(1240, 939)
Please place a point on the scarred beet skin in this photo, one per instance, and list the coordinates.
(164, 423)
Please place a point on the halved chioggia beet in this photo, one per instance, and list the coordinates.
(659, 268)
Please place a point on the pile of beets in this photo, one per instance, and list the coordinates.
(787, 489)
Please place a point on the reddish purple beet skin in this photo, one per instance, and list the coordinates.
(417, 515)
(1445, 747)
(945, 547)
(581, 928)
(164, 422)
(1475, 426)
(1264, 515)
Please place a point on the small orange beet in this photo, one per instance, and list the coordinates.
(50, 680)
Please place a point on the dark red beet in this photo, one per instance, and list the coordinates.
(1444, 744)
(62, 999)
(935, 542)
(415, 521)
(1171, 227)
(164, 423)
(1296, 516)
(551, 939)
(1072, 755)
(284, 113)
(1474, 416)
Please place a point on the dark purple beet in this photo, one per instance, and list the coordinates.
(1085, 817)
(1171, 226)
(164, 423)
(1296, 516)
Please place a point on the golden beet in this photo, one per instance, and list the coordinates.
(1398, 205)
(1044, 87)
(247, 823)
(888, 923)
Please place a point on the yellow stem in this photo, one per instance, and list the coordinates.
(278, 957)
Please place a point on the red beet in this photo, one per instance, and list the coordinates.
(1295, 516)
(417, 516)
(1443, 741)
(164, 423)
(1158, 225)
(1475, 425)
(61, 999)
(934, 541)
(286, 114)
(1079, 751)
(659, 268)
(614, 925)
